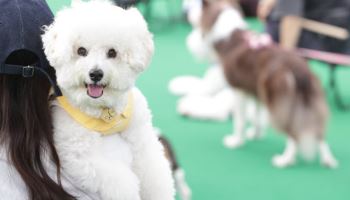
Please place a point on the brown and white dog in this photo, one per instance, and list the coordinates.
(277, 78)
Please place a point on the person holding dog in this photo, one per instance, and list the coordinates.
(37, 161)
(29, 164)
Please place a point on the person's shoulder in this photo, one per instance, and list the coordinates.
(11, 185)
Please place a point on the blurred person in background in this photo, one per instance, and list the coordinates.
(282, 19)
(249, 7)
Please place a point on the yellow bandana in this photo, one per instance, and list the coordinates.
(108, 123)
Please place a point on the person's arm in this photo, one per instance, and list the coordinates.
(290, 29)
(264, 8)
(290, 13)
(291, 26)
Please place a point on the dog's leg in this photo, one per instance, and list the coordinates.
(150, 164)
(327, 158)
(212, 82)
(183, 189)
(82, 162)
(216, 107)
(256, 130)
(236, 139)
(117, 182)
(288, 157)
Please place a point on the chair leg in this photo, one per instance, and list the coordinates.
(334, 86)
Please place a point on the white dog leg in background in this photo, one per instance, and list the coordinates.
(236, 139)
(217, 107)
(258, 121)
(199, 48)
(183, 189)
(212, 99)
(289, 155)
(183, 85)
(326, 156)
(212, 82)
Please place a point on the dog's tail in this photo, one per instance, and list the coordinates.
(305, 91)
(303, 83)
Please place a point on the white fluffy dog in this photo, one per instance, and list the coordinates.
(98, 50)
(209, 97)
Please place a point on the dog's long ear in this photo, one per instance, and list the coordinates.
(141, 43)
(56, 49)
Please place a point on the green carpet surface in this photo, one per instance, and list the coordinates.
(216, 173)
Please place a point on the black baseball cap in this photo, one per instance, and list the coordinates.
(21, 27)
(125, 3)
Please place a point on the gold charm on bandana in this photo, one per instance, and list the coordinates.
(108, 115)
(108, 123)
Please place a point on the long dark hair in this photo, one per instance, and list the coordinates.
(26, 130)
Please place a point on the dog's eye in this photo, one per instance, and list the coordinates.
(82, 51)
(111, 53)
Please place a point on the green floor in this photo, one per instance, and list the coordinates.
(216, 173)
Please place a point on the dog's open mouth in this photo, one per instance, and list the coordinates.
(94, 90)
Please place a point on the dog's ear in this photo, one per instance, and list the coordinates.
(75, 2)
(56, 49)
(142, 47)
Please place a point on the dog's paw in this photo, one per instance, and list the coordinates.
(233, 141)
(330, 162)
(282, 161)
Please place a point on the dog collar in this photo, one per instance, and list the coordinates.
(108, 123)
(258, 41)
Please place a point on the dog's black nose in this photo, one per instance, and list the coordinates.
(96, 75)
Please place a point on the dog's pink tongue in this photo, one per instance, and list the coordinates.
(95, 91)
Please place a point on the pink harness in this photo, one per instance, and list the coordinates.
(258, 41)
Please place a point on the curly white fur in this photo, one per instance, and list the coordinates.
(127, 166)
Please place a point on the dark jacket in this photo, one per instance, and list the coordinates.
(335, 12)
